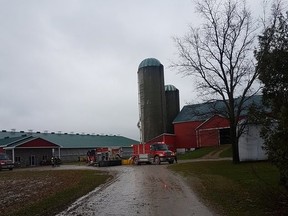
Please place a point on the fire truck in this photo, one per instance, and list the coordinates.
(154, 153)
(103, 157)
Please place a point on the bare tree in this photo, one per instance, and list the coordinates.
(220, 55)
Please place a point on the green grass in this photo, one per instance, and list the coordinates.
(226, 153)
(198, 153)
(242, 189)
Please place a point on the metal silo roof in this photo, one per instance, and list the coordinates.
(170, 88)
(149, 62)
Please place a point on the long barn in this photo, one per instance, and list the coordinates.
(32, 149)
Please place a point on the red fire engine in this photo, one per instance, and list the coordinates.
(104, 157)
(152, 153)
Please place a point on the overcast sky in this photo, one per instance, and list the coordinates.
(71, 65)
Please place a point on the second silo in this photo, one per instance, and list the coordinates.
(152, 103)
(172, 106)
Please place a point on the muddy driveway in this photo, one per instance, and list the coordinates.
(140, 190)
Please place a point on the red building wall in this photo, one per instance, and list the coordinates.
(208, 133)
(194, 134)
(215, 121)
(168, 139)
(38, 143)
(208, 137)
(186, 134)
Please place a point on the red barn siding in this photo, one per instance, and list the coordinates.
(208, 131)
(38, 143)
(215, 122)
(208, 138)
(168, 139)
(186, 134)
(156, 139)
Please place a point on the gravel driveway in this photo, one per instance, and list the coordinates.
(139, 190)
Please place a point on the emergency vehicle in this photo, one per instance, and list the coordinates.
(104, 157)
(154, 153)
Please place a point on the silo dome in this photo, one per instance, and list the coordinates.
(149, 62)
(170, 88)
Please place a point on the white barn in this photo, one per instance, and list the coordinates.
(251, 144)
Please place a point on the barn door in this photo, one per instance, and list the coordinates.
(225, 136)
(32, 160)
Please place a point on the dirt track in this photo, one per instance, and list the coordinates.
(140, 190)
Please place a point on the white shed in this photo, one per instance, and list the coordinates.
(251, 144)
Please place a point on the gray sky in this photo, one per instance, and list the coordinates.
(71, 65)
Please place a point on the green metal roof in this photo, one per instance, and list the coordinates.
(204, 111)
(149, 62)
(74, 140)
(9, 140)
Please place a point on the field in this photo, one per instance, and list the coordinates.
(45, 192)
(242, 189)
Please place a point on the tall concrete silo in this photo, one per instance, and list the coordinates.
(172, 106)
(152, 103)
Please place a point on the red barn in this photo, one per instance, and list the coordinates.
(202, 125)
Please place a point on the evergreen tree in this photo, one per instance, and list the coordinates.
(272, 57)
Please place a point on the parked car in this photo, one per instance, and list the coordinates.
(5, 162)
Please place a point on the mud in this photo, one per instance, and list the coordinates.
(140, 190)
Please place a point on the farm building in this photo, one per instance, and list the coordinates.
(251, 144)
(29, 149)
(202, 125)
(196, 125)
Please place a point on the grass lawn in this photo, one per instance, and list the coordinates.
(198, 153)
(45, 192)
(226, 153)
(242, 189)
(223, 151)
